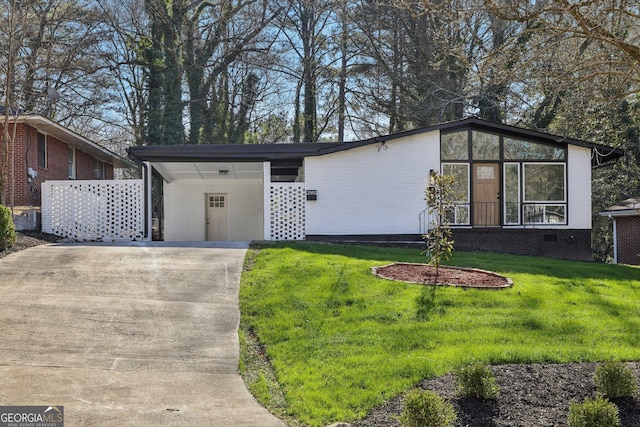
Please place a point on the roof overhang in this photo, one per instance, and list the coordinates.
(629, 207)
(49, 127)
(600, 154)
(250, 153)
(217, 161)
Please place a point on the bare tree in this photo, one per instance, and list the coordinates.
(602, 35)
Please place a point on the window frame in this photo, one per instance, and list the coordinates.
(42, 151)
(100, 171)
(71, 162)
(518, 202)
(522, 202)
(461, 208)
(564, 184)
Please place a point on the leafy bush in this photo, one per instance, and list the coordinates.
(598, 412)
(426, 408)
(615, 379)
(477, 381)
(7, 228)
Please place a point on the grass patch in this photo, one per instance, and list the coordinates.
(341, 341)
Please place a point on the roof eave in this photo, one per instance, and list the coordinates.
(47, 126)
(620, 213)
(601, 154)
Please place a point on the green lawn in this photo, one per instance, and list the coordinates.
(342, 341)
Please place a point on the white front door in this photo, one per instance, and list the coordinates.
(217, 217)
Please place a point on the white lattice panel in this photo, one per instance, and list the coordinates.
(287, 211)
(94, 210)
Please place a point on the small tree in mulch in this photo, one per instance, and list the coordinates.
(440, 204)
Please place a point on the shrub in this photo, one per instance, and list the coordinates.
(7, 228)
(598, 412)
(615, 379)
(477, 381)
(426, 408)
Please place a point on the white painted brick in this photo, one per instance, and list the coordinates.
(372, 189)
(579, 187)
(185, 208)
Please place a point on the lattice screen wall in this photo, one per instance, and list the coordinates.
(94, 210)
(287, 211)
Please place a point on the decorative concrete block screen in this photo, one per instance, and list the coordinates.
(94, 210)
(287, 209)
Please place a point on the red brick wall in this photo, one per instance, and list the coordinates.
(108, 171)
(57, 168)
(628, 239)
(85, 165)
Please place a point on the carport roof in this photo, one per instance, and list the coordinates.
(272, 152)
(230, 152)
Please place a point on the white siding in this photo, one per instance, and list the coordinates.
(371, 189)
(579, 187)
(184, 209)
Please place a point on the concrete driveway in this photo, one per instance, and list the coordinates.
(126, 335)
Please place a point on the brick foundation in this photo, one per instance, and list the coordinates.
(562, 244)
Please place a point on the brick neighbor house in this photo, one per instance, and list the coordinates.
(626, 230)
(45, 150)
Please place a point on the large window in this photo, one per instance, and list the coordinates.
(455, 146)
(517, 149)
(533, 182)
(458, 212)
(544, 193)
(544, 182)
(485, 146)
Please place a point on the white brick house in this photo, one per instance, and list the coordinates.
(522, 191)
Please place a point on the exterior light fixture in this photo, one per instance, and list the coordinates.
(432, 178)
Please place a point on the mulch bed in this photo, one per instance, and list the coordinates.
(536, 395)
(27, 239)
(452, 276)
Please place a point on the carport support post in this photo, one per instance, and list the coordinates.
(266, 201)
(148, 206)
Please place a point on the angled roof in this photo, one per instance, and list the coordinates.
(271, 152)
(629, 207)
(49, 127)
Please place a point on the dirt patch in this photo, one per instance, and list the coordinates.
(530, 395)
(27, 239)
(452, 276)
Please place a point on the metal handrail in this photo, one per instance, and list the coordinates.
(497, 214)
